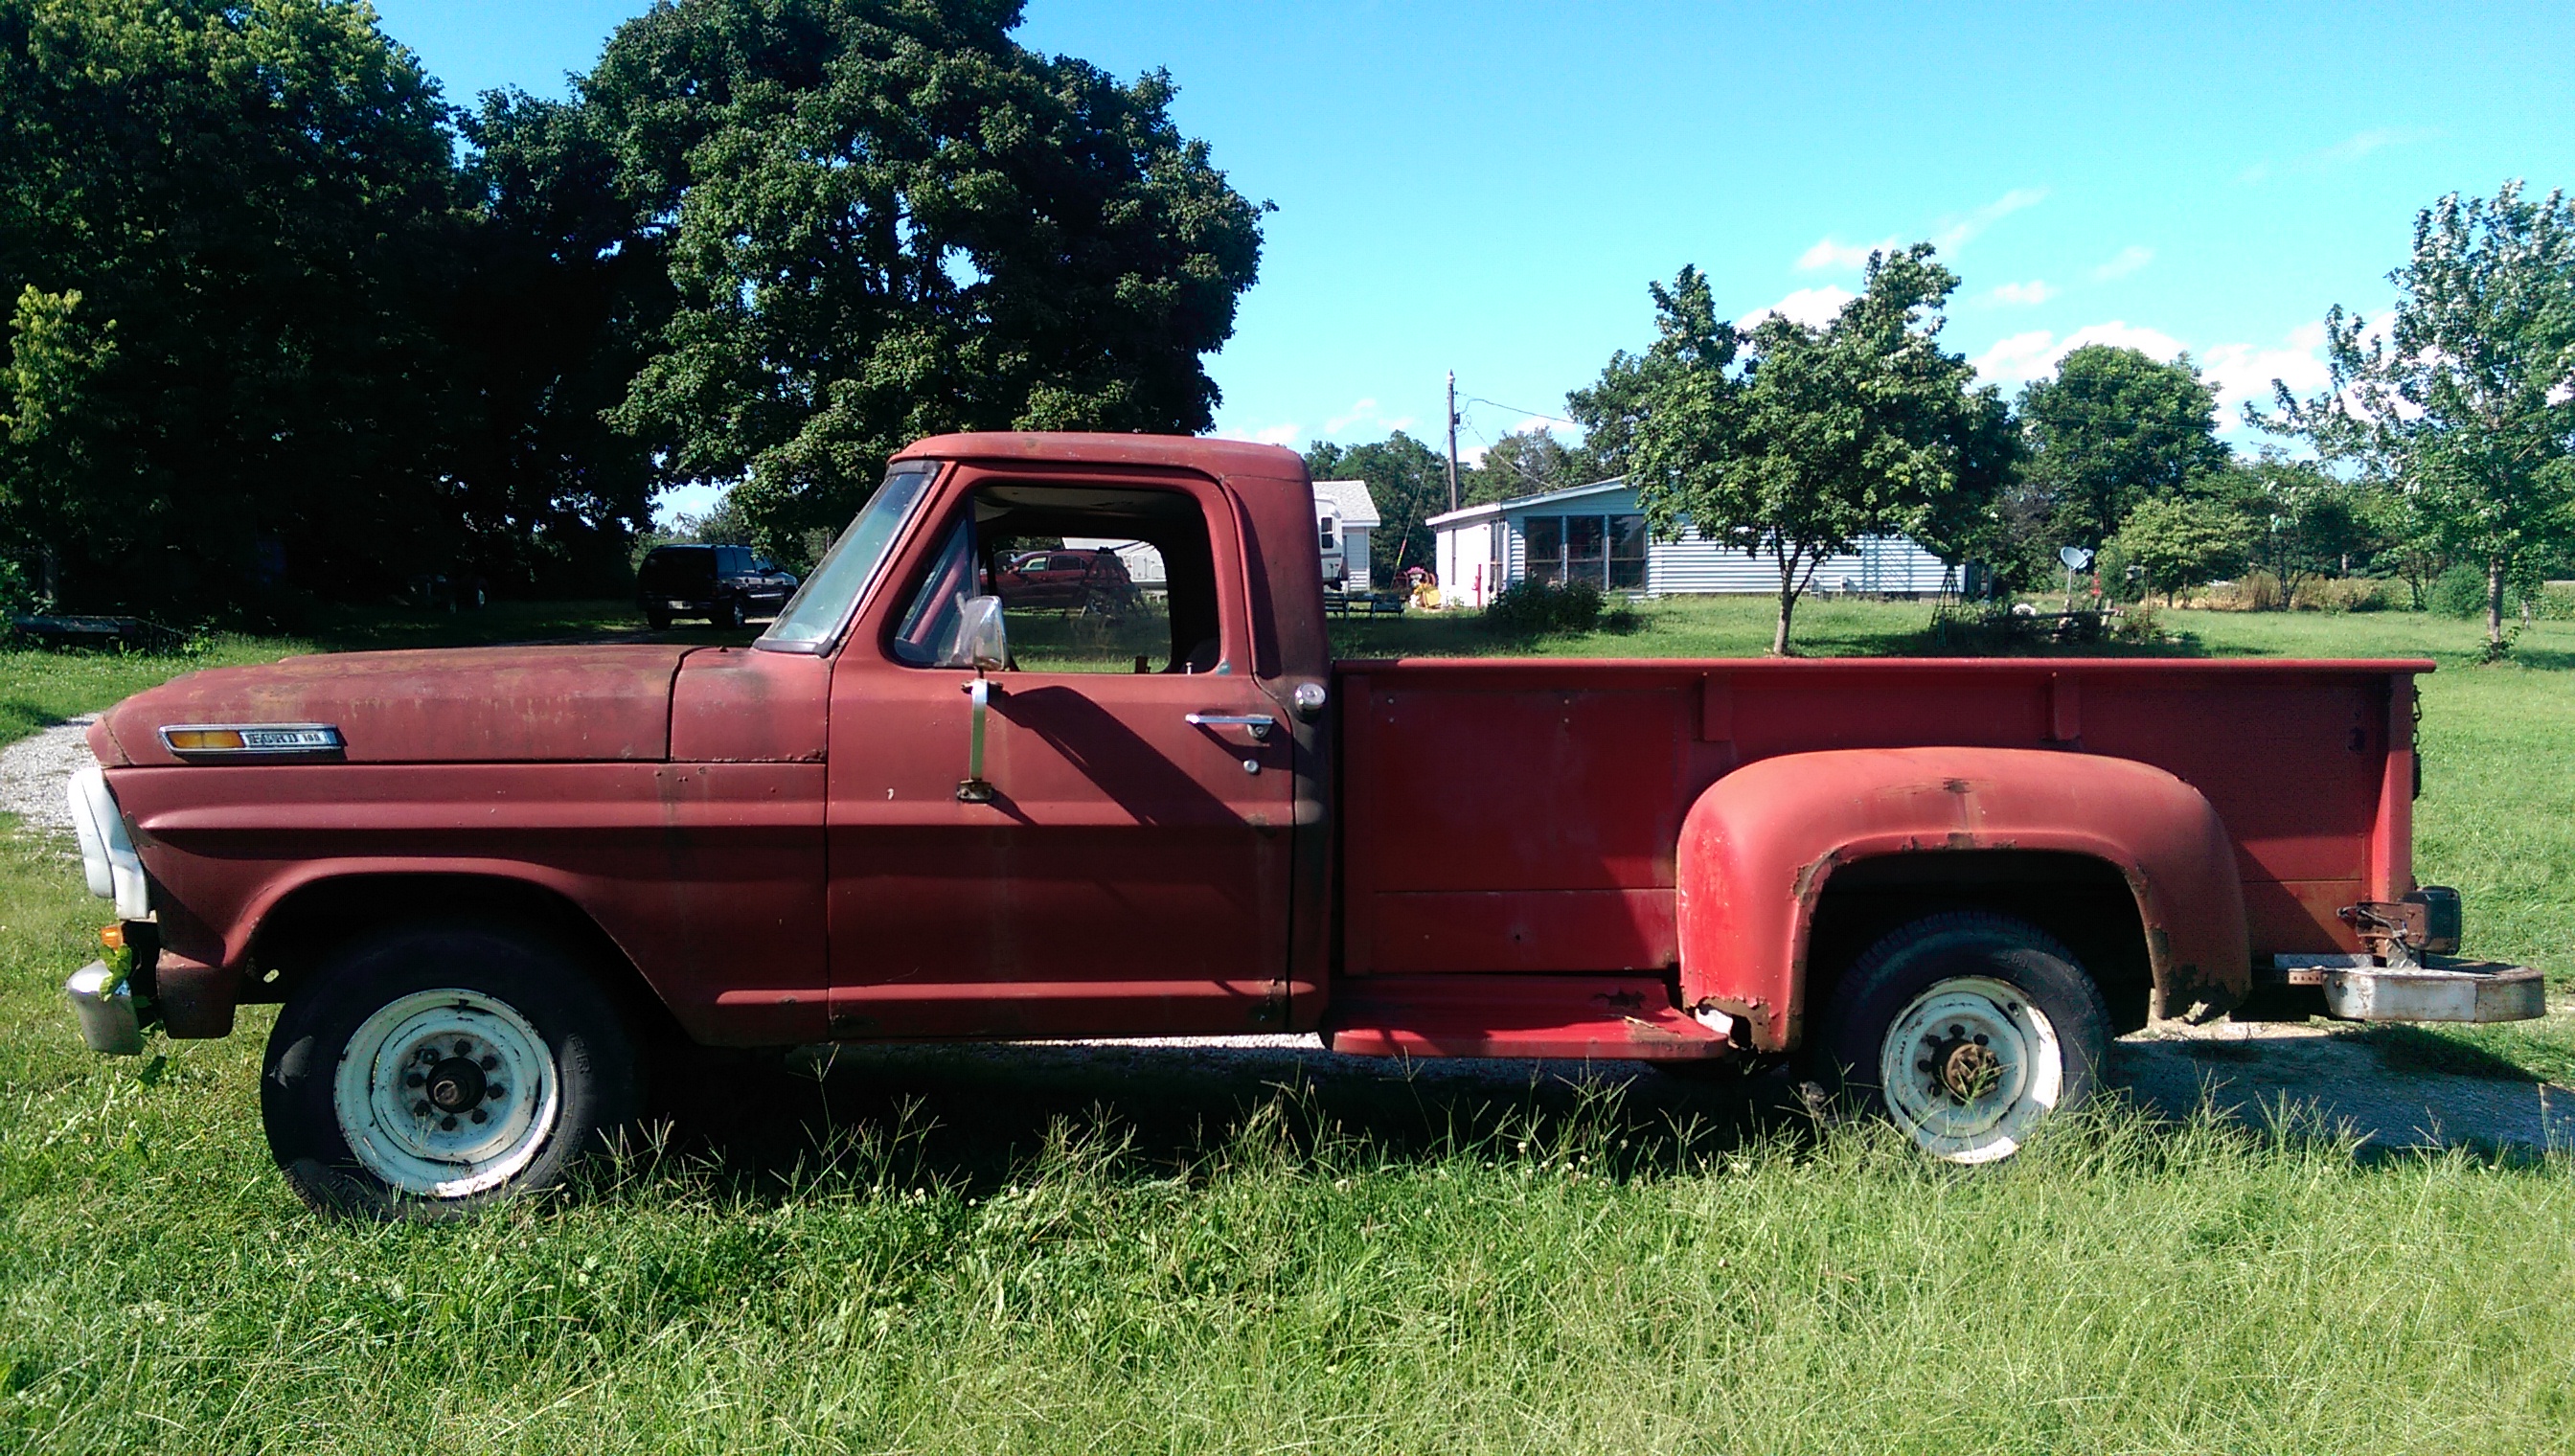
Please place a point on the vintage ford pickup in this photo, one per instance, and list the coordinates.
(483, 884)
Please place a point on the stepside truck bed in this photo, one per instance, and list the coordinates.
(1522, 818)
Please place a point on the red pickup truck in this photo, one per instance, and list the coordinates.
(483, 882)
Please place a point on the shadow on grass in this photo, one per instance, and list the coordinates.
(2405, 1049)
(977, 1115)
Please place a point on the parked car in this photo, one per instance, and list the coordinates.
(1065, 580)
(485, 883)
(727, 585)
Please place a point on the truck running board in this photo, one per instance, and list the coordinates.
(2442, 988)
(1591, 1018)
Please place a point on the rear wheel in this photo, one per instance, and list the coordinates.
(425, 1073)
(1966, 1030)
(657, 621)
(729, 612)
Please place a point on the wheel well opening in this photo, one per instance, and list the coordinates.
(302, 930)
(2082, 902)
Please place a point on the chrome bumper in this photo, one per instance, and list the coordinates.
(109, 1019)
(2442, 988)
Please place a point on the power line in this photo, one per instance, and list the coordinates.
(1531, 414)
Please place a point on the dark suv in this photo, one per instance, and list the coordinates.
(723, 584)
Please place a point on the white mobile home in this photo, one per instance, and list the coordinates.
(1596, 534)
(1344, 518)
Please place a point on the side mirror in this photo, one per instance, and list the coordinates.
(980, 643)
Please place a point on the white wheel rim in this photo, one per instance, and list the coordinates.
(474, 1055)
(1968, 1067)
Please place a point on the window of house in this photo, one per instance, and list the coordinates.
(1628, 542)
(1069, 611)
(1586, 550)
(1544, 536)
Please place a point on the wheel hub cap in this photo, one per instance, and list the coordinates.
(445, 1093)
(1968, 1067)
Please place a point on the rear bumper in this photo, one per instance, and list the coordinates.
(2442, 988)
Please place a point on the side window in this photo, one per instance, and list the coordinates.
(1091, 580)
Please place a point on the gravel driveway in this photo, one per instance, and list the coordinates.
(2247, 1070)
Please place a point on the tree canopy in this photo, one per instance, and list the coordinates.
(2111, 428)
(1793, 441)
(281, 323)
(2463, 404)
(884, 219)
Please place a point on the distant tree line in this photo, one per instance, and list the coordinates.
(281, 324)
(2441, 455)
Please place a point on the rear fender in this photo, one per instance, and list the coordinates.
(1758, 846)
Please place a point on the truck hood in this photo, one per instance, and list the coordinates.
(477, 705)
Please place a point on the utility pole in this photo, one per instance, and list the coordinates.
(1452, 440)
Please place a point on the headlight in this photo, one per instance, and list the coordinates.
(114, 870)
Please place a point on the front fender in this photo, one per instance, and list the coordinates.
(1759, 845)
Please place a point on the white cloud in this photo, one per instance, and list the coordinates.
(2130, 259)
(2241, 374)
(1264, 435)
(2036, 291)
(1812, 307)
(1831, 253)
(1360, 409)
(2017, 360)
(2360, 144)
(1965, 229)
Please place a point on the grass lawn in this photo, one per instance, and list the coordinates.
(968, 1251)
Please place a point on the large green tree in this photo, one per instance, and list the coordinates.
(226, 229)
(2463, 405)
(885, 219)
(1793, 442)
(1523, 463)
(2111, 428)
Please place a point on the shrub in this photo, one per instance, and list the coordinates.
(2459, 591)
(1533, 609)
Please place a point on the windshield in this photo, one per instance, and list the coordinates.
(813, 616)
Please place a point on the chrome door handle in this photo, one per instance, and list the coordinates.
(1258, 725)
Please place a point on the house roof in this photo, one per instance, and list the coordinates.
(1492, 509)
(1352, 500)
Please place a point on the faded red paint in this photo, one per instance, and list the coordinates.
(1451, 858)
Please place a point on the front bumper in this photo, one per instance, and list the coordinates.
(111, 1021)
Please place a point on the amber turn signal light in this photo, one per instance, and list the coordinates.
(112, 936)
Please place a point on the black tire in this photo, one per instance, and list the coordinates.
(1934, 981)
(657, 621)
(585, 1087)
(729, 613)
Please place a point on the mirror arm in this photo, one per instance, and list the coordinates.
(973, 788)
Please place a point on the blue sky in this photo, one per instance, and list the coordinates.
(1489, 188)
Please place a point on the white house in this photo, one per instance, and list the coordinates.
(1596, 534)
(1344, 517)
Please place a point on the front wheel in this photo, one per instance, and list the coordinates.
(426, 1073)
(1967, 1031)
(729, 613)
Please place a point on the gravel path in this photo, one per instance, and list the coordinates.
(2249, 1070)
(34, 769)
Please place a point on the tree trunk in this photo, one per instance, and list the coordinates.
(2494, 601)
(1787, 603)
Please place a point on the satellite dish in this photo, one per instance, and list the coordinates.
(2075, 558)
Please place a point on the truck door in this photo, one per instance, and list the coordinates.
(1122, 866)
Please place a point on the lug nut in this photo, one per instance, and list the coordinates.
(1980, 1041)
(420, 1110)
(489, 1062)
(496, 1091)
(481, 1117)
(414, 1081)
(447, 1124)
(465, 1049)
